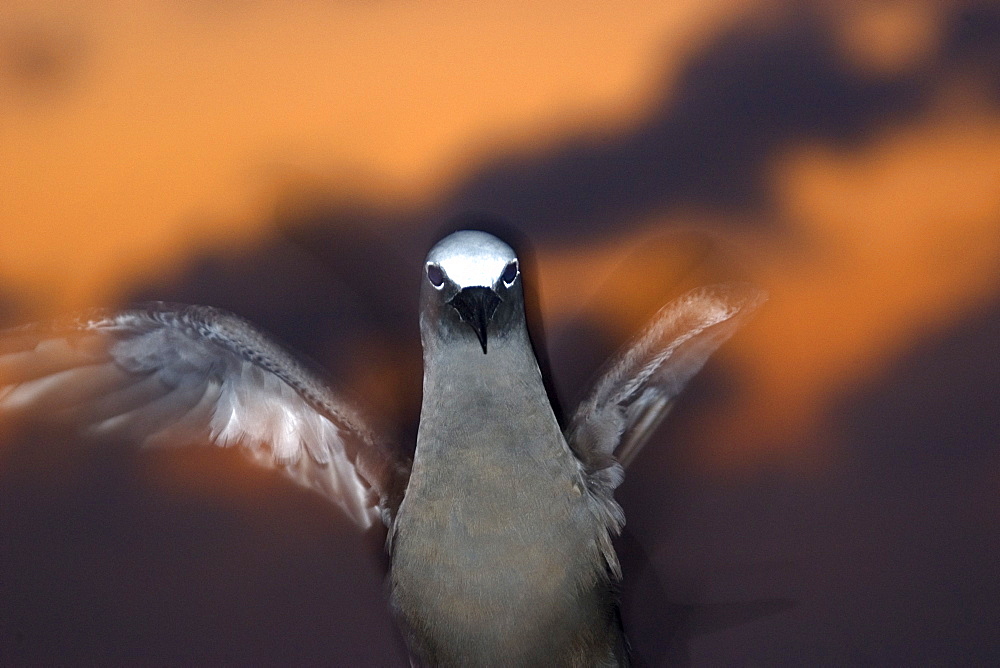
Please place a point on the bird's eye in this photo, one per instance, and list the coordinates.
(509, 273)
(435, 275)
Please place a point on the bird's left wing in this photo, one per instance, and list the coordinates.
(637, 390)
(172, 374)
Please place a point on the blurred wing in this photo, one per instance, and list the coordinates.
(636, 392)
(170, 374)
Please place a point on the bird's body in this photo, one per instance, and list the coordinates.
(496, 549)
(500, 531)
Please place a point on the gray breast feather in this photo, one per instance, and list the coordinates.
(167, 374)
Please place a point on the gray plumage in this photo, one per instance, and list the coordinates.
(501, 547)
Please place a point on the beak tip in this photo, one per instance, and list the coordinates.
(476, 307)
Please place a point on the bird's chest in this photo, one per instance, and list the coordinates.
(493, 553)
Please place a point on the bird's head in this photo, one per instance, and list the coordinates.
(471, 288)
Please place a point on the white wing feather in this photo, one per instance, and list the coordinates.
(177, 374)
(637, 390)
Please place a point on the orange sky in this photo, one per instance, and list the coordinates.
(179, 122)
(169, 126)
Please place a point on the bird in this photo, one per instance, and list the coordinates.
(499, 528)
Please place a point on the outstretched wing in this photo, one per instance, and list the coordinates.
(172, 374)
(637, 390)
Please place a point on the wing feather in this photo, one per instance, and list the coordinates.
(170, 374)
(638, 389)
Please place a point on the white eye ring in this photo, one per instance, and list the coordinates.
(510, 273)
(435, 275)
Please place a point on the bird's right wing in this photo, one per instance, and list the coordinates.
(637, 390)
(170, 374)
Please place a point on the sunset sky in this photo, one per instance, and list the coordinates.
(844, 156)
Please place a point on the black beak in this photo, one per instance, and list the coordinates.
(476, 307)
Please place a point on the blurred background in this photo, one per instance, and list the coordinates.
(828, 490)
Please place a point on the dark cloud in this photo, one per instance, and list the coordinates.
(707, 143)
(37, 60)
(885, 557)
(972, 41)
(108, 556)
